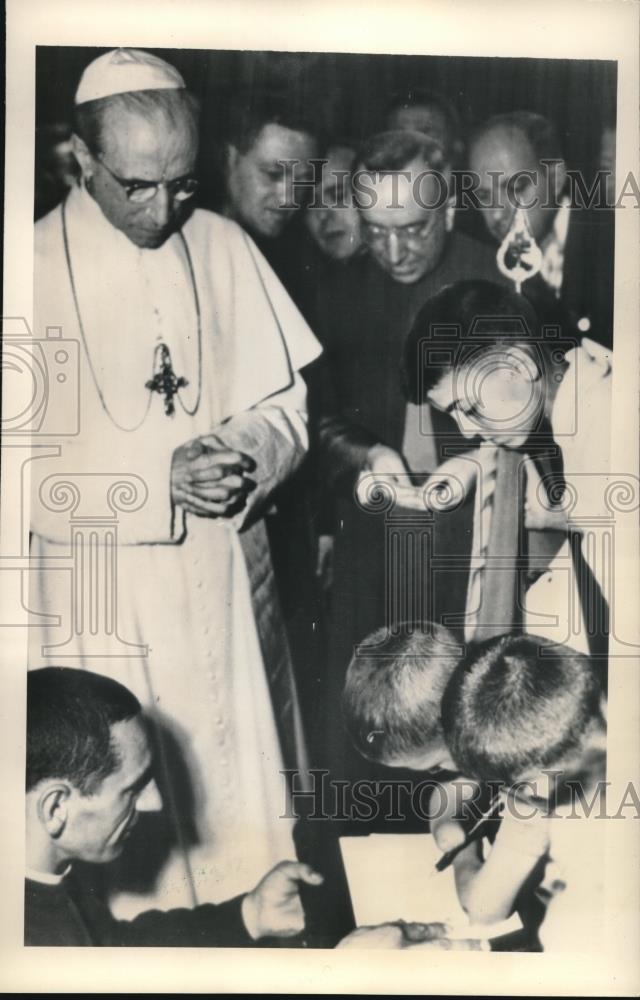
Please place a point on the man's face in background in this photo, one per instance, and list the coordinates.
(335, 224)
(426, 118)
(506, 151)
(137, 151)
(260, 190)
(402, 232)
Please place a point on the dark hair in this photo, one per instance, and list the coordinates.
(250, 111)
(70, 713)
(540, 132)
(387, 152)
(392, 692)
(517, 702)
(166, 107)
(457, 323)
(419, 97)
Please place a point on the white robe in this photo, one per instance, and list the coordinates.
(581, 424)
(197, 635)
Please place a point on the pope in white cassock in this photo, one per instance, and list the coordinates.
(190, 352)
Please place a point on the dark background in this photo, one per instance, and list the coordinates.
(349, 93)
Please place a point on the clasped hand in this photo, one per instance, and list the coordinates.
(210, 480)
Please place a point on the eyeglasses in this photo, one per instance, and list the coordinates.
(140, 192)
(413, 233)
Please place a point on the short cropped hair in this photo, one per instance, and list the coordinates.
(165, 107)
(422, 97)
(70, 713)
(391, 697)
(519, 702)
(250, 111)
(539, 131)
(387, 152)
(476, 315)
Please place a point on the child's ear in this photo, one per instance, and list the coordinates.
(53, 808)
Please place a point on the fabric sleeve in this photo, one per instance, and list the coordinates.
(205, 926)
(340, 445)
(274, 434)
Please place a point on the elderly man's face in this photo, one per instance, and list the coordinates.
(261, 191)
(403, 234)
(138, 151)
(507, 151)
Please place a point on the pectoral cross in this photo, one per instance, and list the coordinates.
(165, 381)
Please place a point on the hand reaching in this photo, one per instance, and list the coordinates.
(445, 489)
(385, 473)
(409, 935)
(273, 908)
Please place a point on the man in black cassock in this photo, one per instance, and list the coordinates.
(89, 776)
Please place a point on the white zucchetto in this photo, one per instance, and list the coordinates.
(122, 71)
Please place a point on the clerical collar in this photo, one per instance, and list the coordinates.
(46, 878)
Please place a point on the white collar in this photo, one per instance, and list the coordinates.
(86, 214)
(560, 227)
(47, 878)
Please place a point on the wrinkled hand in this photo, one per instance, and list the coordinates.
(273, 908)
(408, 935)
(208, 480)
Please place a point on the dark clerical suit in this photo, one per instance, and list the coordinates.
(68, 914)
(364, 318)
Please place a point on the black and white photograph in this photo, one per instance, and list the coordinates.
(320, 499)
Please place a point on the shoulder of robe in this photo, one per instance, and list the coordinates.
(213, 233)
(47, 230)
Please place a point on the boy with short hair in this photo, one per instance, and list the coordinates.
(392, 694)
(391, 708)
(530, 715)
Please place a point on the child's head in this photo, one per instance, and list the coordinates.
(519, 705)
(392, 694)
